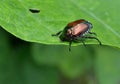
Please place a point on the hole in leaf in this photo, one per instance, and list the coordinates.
(34, 10)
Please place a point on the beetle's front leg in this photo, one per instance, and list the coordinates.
(57, 33)
(70, 43)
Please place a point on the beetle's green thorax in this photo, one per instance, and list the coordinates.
(64, 36)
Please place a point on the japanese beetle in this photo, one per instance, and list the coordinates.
(76, 31)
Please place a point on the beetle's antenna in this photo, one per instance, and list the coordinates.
(70, 45)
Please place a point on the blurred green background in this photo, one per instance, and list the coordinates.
(22, 62)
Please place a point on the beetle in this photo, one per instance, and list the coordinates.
(77, 31)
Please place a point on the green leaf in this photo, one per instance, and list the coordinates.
(54, 15)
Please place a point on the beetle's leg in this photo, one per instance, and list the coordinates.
(93, 38)
(70, 45)
(57, 33)
(77, 40)
(92, 33)
(83, 43)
